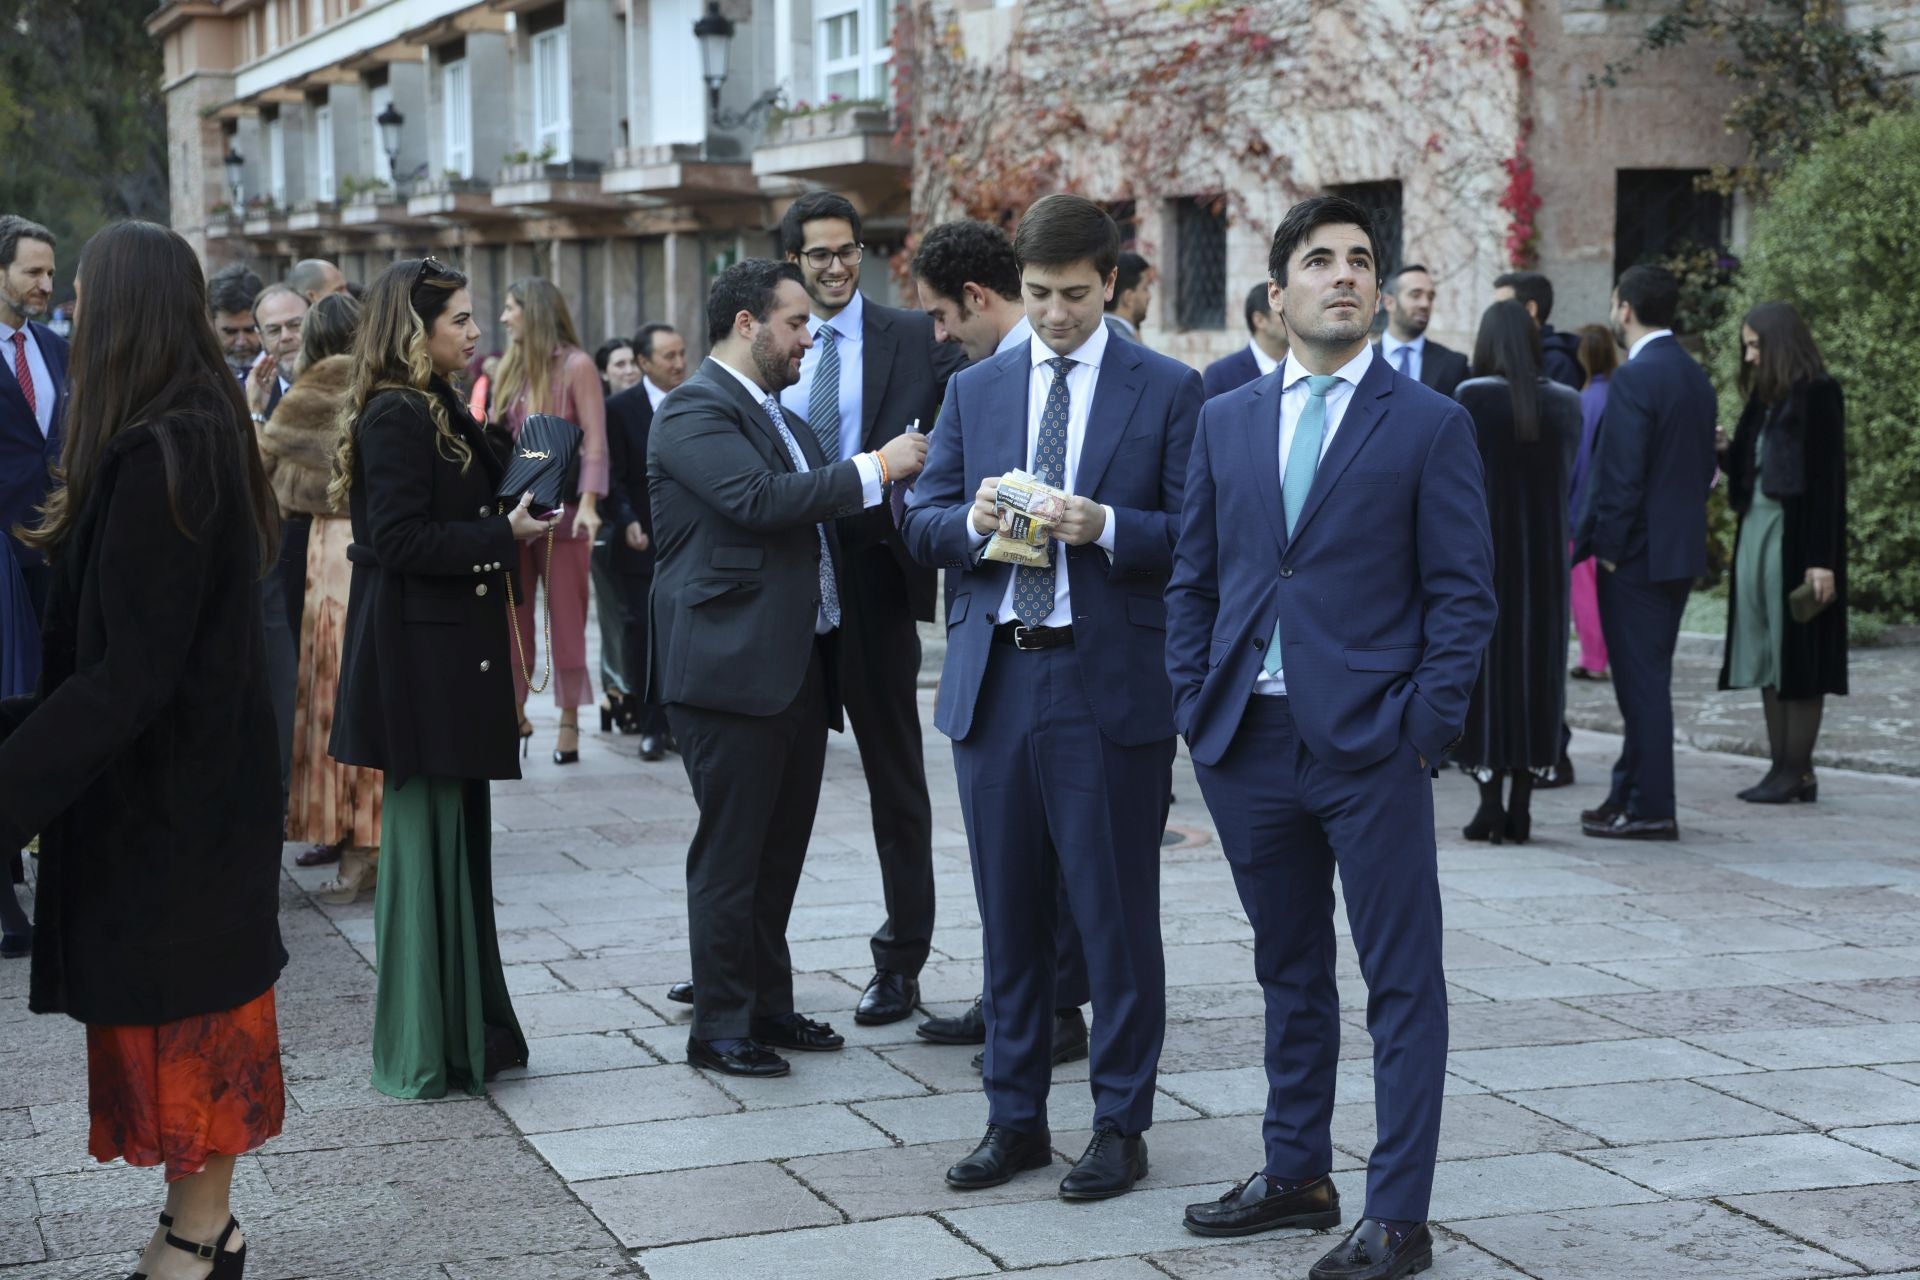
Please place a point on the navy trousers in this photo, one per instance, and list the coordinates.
(1052, 805)
(1286, 823)
(1641, 622)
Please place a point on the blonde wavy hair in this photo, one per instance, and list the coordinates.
(545, 326)
(390, 354)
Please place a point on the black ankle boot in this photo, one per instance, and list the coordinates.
(1519, 823)
(1489, 822)
(1785, 787)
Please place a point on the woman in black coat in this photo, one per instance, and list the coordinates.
(145, 758)
(426, 692)
(1787, 479)
(1528, 427)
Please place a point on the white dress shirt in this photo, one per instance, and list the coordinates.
(1082, 377)
(44, 391)
(1416, 353)
(850, 343)
(1634, 350)
(1266, 363)
(871, 490)
(654, 394)
(1293, 400)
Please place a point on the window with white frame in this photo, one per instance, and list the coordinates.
(552, 114)
(323, 152)
(459, 118)
(379, 98)
(854, 45)
(273, 25)
(276, 163)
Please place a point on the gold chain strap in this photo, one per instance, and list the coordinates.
(513, 625)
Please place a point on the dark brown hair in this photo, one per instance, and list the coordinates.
(1060, 230)
(1508, 346)
(1599, 354)
(144, 354)
(1787, 353)
(1306, 217)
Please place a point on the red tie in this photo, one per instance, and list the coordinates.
(21, 372)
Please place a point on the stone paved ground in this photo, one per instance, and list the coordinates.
(1698, 1060)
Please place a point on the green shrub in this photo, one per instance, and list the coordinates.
(1840, 240)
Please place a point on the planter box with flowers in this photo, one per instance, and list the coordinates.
(830, 138)
(222, 221)
(449, 196)
(374, 204)
(539, 182)
(263, 218)
(314, 215)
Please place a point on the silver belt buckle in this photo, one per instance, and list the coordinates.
(1020, 639)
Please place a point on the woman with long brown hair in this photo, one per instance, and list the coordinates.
(334, 806)
(1787, 478)
(424, 692)
(146, 758)
(545, 371)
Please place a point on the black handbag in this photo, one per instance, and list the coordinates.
(545, 462)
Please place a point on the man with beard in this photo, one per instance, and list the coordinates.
(33, 389)
(1408, 295)
(1332, 591)
(230, 294)
(1132, 296)
(746, 612)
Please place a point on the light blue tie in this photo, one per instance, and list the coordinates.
(823, 397)
(1303, 459)
(829, 586)
(1406, 359)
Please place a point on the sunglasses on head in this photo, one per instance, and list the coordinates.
(431, 266)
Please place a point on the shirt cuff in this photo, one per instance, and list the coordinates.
(975, 538)
(872, 492)
(1105, 540)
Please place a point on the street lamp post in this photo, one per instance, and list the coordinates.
(390, 121)
(714, 31)
(236, 166)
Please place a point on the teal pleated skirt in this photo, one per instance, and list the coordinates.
(440, 981)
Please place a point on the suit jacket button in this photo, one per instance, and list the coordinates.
(480, 590)
(1286, 571)
(476, 568)
(486, 664)
(1259, 643)
(486, 511)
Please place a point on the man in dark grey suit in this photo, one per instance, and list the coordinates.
(745, 613)
(1408, 297)
(871, 372)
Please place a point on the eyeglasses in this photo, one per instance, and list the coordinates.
(849, 256)
(272, 332)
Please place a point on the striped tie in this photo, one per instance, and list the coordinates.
(829, 586)
(823, 398)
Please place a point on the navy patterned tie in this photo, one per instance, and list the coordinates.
(823, 397)
(829, 587)
(1033, 588)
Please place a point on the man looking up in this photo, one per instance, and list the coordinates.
(1262, 354)
(1408, 295)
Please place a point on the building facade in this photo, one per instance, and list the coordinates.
(576, 139)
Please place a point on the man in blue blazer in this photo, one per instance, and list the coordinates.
(1264, 351)
(33, 388)
(1055, 690)
(1331, 595)
(1645, 521)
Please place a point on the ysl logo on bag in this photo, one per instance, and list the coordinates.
(531, 454)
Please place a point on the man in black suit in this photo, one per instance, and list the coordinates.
(1262, 354)
(662, 353)
(746, 620)
(1132, 296)
(33, 388)
(1645, 521)
(1408, 296)
(1559, 352)
(871, 373)
(230, 294)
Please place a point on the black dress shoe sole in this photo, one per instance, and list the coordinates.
(795, 1047)
(1311, 1221)
(941, 1037)
(1039, 1160)
(1608, 833)
(1412, 1267)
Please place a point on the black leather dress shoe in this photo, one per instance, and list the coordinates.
(681, 993)
(1375, 1251)
(1624, 826)
(791, 1031)
(1069, 1039)
(1000, 1155)
(1605, 813)
(969, 1028)
(736, 1057)
(652, 747)
(1109, 1167)
(1255, 1206)
(889, 997)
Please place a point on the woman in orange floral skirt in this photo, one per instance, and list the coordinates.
(145, 758)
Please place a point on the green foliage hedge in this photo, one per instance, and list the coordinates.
(1840, 240)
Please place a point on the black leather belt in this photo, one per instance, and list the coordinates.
(1025, 637)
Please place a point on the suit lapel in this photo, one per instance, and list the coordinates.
(876, 366)
(751, 411)
(1007, 412)
(1362, 416)
(1116, 393)
(1260, 432)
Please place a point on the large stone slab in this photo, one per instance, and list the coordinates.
(1830, 1097)
(614, 1150)
(1693, 1239)
(1655, 1111)
(1732, 1166)
(898, 1248)
(892, 1181)
(1818, 1046)
(1045, 1232)
(1498, 1185)
(1289, 1255)
(1690, 1013)
(602, 1098)
(1606, 1062)
(1472, 1127)
(704, 1204)
(1878, 1227)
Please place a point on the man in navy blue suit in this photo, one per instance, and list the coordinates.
(1055, 692)
(1261, 356)
(1331, 595)
(33, 388)
(1645, 521)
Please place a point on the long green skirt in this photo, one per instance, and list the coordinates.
(440, 982)
(1758, 636)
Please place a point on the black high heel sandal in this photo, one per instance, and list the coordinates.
(526, 738)
(226, 1266)
(569, 757)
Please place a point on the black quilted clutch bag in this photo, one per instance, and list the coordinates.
(545, 462)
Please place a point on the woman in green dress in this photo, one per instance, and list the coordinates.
(1787, 478)
(426, 691)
